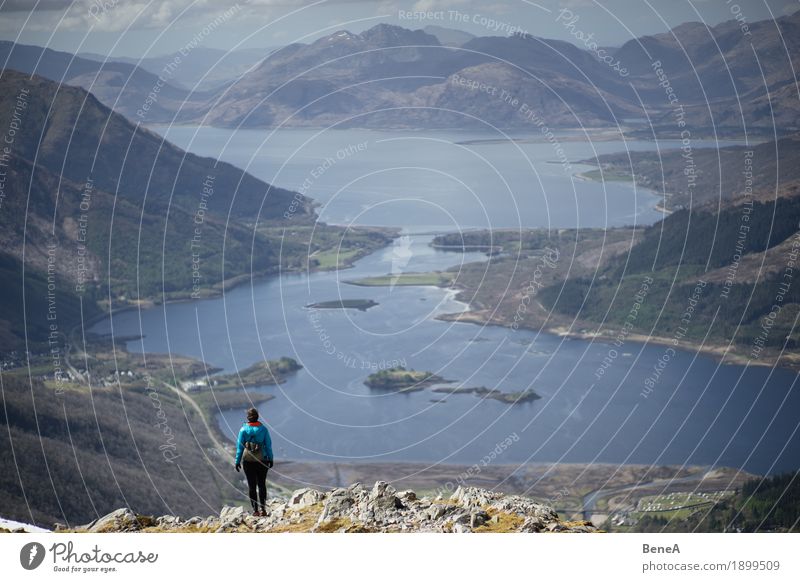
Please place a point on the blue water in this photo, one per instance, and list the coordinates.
(700, 413)
(428, 181)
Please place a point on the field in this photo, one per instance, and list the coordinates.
(435, 278)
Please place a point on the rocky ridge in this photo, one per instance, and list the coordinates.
(360, 509)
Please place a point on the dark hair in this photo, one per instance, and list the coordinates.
(252, 415)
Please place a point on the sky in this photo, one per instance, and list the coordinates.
(146, 28)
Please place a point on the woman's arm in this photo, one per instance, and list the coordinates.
(268, 444)
(239, 447)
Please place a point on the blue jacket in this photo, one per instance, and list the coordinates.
(257, 433)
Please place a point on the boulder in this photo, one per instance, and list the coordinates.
(120, 520)
(304, 498)
(478, 518)
(231, 518)
(381, 489)
(469, 497)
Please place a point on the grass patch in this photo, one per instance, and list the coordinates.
(501, 522)
(434, 278)
(335, 258)
(308, 517)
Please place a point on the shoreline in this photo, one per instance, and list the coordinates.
(718, 352)
(658, 207)
(218, 289)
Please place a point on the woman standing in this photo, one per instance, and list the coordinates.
(254, 453)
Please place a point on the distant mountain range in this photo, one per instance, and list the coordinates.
(716, 79)
(198, 69)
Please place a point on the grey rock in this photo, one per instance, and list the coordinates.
(120, 520)
(407, 495)
(473, 497)
(304, 498)
(382, 488)
(478, 518)
(356, 508)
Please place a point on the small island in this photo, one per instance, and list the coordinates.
(360, 304)
(259, 374)
(527, 395)
(401, 380)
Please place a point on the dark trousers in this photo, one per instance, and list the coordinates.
(256, 474)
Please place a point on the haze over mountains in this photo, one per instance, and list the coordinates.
(725, 79)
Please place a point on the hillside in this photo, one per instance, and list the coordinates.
(708, 175)
(81, 453)
(123, 86)
(357, 509)
(732, 265)
(201, 69)
(79, 209)
(724, 77)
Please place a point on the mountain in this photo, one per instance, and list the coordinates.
(108, 209)
(124, 87)
(720, 80)
(389, 76)
(76, 456)
(198, 69)
(392, 76)
(358, 509)
(722, 74)
(448, 36)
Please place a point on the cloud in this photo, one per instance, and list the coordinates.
(27, 6)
